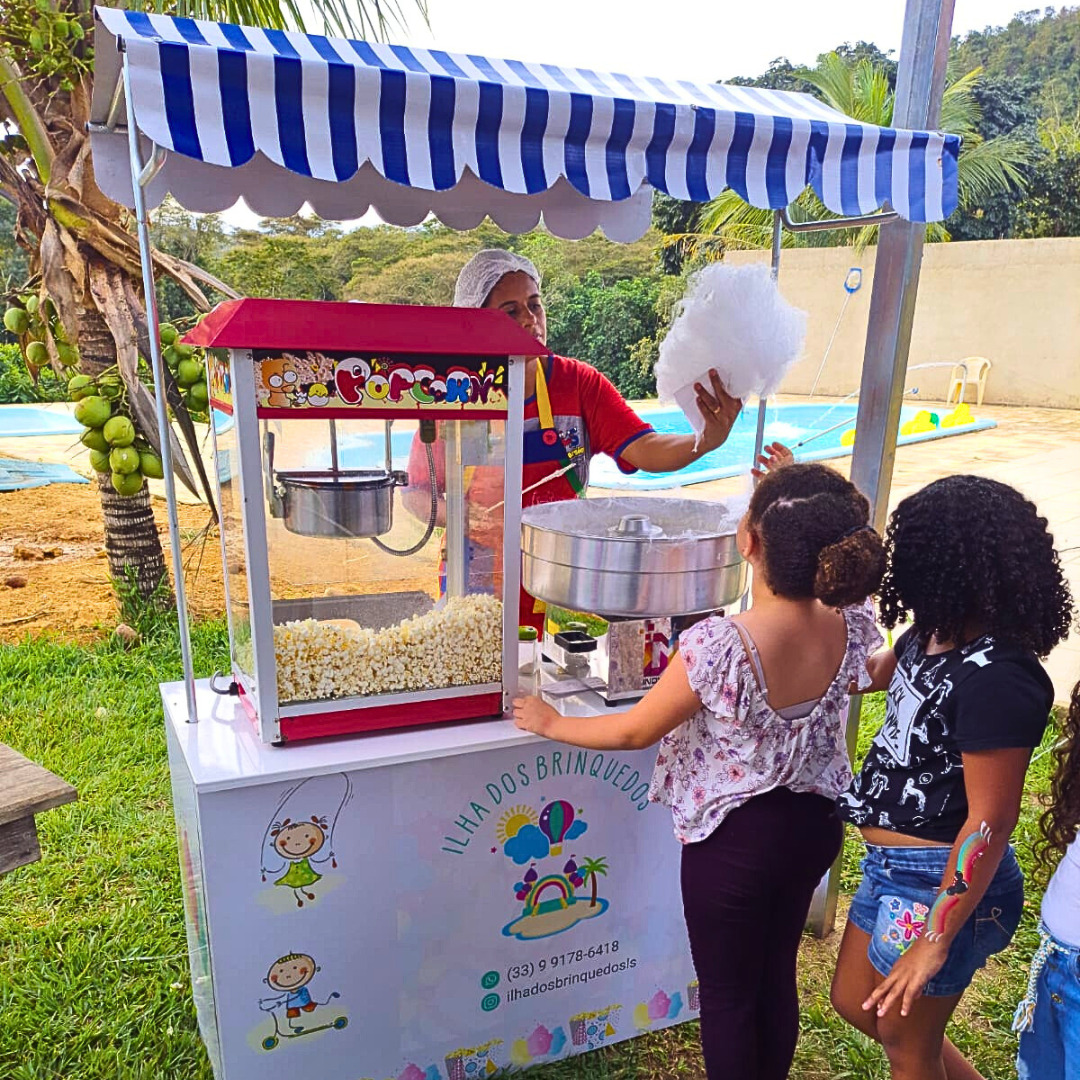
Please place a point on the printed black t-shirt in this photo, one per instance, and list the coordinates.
(983, 696)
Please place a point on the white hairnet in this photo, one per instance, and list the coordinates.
(484, 271)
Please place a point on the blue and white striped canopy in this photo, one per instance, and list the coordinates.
(285, 118)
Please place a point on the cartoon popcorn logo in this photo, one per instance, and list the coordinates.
(593, 1029)
(474, 1062)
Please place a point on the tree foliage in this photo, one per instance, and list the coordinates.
(1041, 47)
(605, 324)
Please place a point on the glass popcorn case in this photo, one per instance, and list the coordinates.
(369, 519)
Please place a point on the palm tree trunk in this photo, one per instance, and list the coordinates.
(592, 899)
(132, 542)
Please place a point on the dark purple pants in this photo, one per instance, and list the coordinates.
(746, 892)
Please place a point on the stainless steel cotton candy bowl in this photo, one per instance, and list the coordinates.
(633, 558)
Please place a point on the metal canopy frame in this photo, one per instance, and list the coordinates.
(919, 89)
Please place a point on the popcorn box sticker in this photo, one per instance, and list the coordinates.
(592, 1029)
(693, 996)
(473, 1062)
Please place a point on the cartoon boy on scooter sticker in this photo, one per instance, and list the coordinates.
(289, 976)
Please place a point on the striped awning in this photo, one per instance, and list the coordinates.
(286, 118)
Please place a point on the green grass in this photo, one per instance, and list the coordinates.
(93, 965)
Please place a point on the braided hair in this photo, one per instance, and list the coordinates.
(966, 550)
(816, 538)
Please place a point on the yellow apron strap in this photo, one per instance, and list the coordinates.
(543, 402)
(547, 425)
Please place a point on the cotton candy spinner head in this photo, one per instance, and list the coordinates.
(734, 321)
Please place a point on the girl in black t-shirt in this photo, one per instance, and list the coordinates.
(939, 792)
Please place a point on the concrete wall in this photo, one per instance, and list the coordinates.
(1016, 302)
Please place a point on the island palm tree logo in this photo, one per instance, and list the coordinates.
(549, 894)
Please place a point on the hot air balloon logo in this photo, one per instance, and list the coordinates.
(555, 821)
(548, 895)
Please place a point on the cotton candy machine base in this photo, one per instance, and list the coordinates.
(633, 558)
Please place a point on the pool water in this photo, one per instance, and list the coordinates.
(787, 423)
(31, 420)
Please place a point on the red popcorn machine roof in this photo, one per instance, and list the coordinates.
(335, 327)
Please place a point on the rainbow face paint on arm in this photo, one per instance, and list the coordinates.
(971, 851)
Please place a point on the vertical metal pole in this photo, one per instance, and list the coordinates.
(762, 405)
(759, 437)
(777, 237)
(334, 468)
(158, 366)
(920, 83)
(456, 541)
(511, 523)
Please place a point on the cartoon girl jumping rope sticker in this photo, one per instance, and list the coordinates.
(297, 842)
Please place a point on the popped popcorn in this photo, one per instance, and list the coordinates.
(459, 644)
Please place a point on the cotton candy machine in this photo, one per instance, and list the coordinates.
(640, 564)
(633, 558)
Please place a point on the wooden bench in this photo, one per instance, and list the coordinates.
(26, 789)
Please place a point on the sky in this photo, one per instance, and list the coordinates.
(699, 40)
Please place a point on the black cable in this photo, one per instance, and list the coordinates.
(432, 517)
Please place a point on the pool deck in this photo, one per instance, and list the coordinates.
(1035, 450)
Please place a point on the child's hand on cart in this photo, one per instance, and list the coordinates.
(533, 714)
(772, 457)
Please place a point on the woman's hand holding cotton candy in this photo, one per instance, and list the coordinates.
(734, 321)
(719, 411)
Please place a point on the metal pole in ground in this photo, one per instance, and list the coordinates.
(138, 178)
(920, 83)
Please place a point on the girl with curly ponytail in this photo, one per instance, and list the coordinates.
(1048, 1018)
(750, 719)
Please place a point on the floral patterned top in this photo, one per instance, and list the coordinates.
(735, 746)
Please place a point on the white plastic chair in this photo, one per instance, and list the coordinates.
(972, 369)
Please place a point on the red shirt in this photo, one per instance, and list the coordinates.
(590, 418)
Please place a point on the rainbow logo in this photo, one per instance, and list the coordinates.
(551, 881)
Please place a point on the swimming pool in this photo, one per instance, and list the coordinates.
(30, 420)
(787, 423)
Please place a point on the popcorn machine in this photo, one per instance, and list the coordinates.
(369, 480)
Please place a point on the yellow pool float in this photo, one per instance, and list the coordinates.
(960, 416)
(925, 421)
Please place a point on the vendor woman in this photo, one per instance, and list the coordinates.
(572, 411)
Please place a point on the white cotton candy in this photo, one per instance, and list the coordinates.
(732, 320)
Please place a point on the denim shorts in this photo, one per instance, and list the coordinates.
(900, 885)
(1050, 1048)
